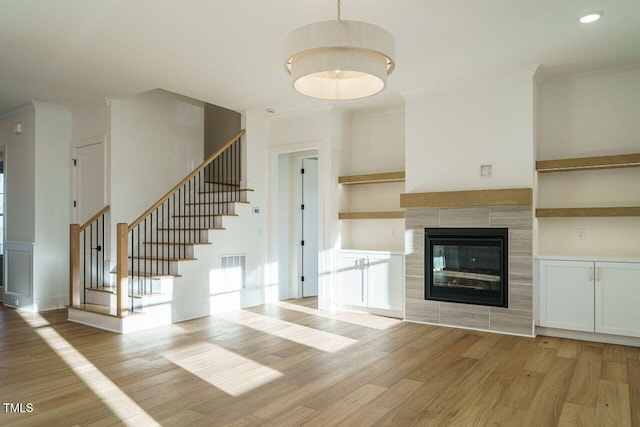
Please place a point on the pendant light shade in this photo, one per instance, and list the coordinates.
(339, 60)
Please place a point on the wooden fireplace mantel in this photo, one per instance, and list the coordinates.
(443, 199)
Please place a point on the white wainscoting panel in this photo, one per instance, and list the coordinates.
(18, 279)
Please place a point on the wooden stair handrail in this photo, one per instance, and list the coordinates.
(95, 217)
(171, 192)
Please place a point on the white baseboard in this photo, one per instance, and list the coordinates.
(588, 336)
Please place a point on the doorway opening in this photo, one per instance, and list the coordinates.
(296, 225)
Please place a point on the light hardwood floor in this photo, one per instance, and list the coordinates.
(287, 364)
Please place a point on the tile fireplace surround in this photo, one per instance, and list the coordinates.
(451, 211)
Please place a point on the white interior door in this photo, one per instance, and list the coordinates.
(89, 180)
(309, 212)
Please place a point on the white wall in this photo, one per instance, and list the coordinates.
(52, 207)
(375, 143)
(20, 175)
(156, 140)
(450, 133)
(590, 115)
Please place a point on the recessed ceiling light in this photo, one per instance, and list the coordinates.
(591, 17)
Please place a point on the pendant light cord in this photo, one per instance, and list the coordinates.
(339, 17)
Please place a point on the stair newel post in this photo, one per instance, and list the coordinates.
(122, 275)
(74, 265)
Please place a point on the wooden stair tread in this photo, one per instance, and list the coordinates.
(176, 243)
(225, 191)
(163, 258)
(153, 275)
(221, 183)
(113, 291)
(192, 229)
(139, 296)
(105, 289)
(202, 215)
(218, 202)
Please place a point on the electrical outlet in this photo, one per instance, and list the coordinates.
(581, 234)
(394, 233)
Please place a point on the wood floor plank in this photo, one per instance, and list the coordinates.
(569, 349)
(290, 364)
(577, 416)
(585, 382)
(540, 359)
(613, 404)
(546, 407)
(334, 414)
(483, 405)
(615, 371)
(417, 403)
(397, 393)
(463, 391)
(633, 375)
(523, 390)
(292, 418)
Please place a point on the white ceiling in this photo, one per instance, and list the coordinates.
(229, 53)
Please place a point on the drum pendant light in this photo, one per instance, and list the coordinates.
(339, 60)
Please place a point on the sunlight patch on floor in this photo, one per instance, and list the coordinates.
(129, 412)
(310, 337)
(224, 369)
(360, 319)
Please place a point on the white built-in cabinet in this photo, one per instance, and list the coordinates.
(371, 279)
(590, 296)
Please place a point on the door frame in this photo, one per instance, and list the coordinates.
(325, 206)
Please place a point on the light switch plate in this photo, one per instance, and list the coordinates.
(486, 171)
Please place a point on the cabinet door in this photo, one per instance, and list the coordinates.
(350, 285)
(567, 295)
(384, 279)
(618, 298)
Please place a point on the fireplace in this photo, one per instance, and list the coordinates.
(467, 265)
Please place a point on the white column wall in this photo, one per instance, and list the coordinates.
(52, 207)
(20, 187)
(450, 133)
(320, 130)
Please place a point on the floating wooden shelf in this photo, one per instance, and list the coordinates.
(372, 178)
(371, 215)
(509, 196)
(582, 163)
(587, 212)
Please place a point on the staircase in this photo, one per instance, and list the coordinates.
(138, 292)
